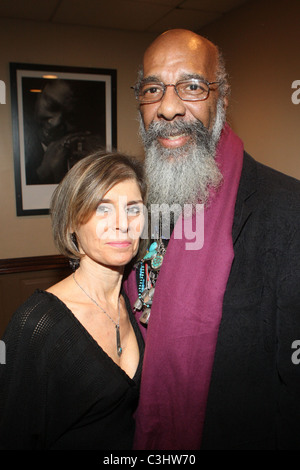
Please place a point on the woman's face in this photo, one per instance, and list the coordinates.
(111, 236)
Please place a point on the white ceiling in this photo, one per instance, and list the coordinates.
(153, 16)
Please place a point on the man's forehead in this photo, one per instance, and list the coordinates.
(180, 53)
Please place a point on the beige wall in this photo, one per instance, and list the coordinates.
(32, 42)
(260, 42)
(261, 45)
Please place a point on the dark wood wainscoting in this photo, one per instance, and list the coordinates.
(19, 277)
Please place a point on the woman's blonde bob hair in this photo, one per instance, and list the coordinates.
(77, 197)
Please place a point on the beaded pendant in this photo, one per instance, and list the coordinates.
(148, 272)
(157, 261)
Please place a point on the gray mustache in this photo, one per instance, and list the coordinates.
(165, 129)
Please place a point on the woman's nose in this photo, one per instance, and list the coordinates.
(122, 221)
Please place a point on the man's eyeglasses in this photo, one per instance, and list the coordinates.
(187, 90)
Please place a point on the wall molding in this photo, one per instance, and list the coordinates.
(20, 277)
(33, 263)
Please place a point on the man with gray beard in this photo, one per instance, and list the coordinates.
(188, 171)
(220, 319)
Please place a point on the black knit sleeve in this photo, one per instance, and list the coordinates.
(23, 378)
(58, 388)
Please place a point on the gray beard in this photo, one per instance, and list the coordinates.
(184, 175)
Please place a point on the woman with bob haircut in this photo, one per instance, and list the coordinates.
(74, 352)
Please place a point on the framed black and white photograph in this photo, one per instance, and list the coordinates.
(59, 115)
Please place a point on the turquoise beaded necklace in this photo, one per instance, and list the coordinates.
(149, 268)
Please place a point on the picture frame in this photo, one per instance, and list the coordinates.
(59, 115)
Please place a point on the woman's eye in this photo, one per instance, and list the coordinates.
(133, 210)
(103, 210)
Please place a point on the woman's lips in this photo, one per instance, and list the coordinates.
(173, 141)
(123, 244)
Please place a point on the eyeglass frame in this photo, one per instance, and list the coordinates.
(164, 86)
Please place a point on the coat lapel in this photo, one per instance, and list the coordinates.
(245, 201)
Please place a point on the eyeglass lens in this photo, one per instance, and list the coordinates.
(189, 90)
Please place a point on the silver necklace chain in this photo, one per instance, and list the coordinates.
(117, 325)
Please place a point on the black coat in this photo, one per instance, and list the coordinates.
(254, 396)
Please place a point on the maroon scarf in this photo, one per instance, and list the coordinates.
(185, 317)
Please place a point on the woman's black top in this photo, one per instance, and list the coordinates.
(58, 388)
